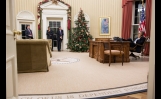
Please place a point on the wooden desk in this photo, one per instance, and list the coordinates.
(102, 39)
(147, 42)
(97, 51)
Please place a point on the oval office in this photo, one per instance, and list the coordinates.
(72, 49)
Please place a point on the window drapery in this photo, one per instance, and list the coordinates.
(126, 18)
(148, 23)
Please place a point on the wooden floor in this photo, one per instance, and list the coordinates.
(142, 95)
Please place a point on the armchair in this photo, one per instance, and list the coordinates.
(33, 55)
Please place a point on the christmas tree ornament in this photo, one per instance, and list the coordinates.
(87, 33)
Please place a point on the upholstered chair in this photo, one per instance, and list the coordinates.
(111, 52)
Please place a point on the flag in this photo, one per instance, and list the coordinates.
(142, 21)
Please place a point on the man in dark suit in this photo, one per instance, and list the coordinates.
(28, 32)
(60, 34)
(139, 40)
(49, 34)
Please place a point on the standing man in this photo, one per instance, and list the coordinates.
(28, 32)
(49, 34)
(60, 34)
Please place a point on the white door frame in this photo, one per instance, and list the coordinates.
(61, 22)
(51, 10)
(151, 74)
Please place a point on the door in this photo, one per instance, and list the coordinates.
(54, 25)
(11, 59)
(22, 28)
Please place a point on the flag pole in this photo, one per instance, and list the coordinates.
(142, 3)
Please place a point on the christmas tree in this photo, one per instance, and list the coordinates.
(80, 37)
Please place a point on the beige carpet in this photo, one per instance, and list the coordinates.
(86, 74)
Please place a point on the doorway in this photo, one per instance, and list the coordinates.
(54, 26)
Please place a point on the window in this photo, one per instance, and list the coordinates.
(23, 28)
(137, 7)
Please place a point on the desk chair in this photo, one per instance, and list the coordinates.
(133, 49)
(111, 52)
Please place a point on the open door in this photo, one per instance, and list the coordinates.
(54, 26)
(11, 59)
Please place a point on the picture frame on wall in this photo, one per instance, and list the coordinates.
(104, 25)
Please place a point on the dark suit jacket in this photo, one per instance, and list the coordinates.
(27, 33)
(140, 41)
(49, 34)
(58, 34)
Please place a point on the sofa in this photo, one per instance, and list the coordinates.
(33, 55)
(50, 43)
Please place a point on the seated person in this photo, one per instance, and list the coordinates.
(139, 40)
